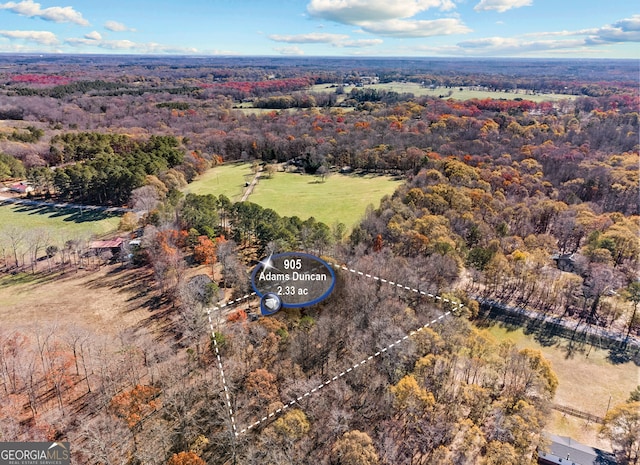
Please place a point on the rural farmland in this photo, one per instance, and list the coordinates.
(336, 198)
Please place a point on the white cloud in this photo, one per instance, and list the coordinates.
(115, 26)
(501, 5)
(389, 17)
(336, 40)
(311, 38)
(57, 14)
(625, 30)
(153, 47)
(39, 37)
(106, 44)
(629, 24)
(359, 43)
(416, 28)
(293, 50)
(94, 35)
(128, 45)
(584, 41)
(557, 33)
(357, 11)
(510, 46)
(593, 41)
(17, 48)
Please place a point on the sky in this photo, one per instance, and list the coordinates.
(433, 28)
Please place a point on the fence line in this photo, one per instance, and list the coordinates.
(578, 413)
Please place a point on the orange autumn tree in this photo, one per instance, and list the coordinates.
(204, 251)
(186, 458)
(134, 405)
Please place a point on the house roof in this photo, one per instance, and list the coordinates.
(563, 256)
(20, 187)
(577, 453)
(110, 244)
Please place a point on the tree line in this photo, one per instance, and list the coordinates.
(494, 189)
(104, 169)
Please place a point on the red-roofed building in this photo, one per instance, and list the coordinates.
(114, 246)
(20, 187)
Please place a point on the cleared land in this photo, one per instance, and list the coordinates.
(456, 92)
(587, 380)
(228, 179)
(62, 223)
(119, 299)
(340, 198)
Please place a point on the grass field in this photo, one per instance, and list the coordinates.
(227, 179)
(456, 93)
(106, 300)
(340, 198)
(61, 223)
(588, 381)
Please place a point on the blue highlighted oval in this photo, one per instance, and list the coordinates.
(297, 279)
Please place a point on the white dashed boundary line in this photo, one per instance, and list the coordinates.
(232, 302)
(317, 389)
(398, 285)
(217, 350)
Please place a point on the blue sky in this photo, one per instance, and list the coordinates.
(465, 28)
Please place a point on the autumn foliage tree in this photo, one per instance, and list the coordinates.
(186, 458)
(135, 404)
(204, 252)
(354, 448)
(622, 427)
(262, 384)
(468, 392)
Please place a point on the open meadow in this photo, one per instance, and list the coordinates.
(339, 198)
(228, 179)
(119, 298)
(458, 93)
(588, 381)
(60, 223)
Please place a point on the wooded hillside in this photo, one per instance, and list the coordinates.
(529, 203)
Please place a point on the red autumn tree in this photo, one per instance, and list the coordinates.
(204, 251)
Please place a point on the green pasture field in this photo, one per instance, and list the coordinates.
(456, 93)
(227, 179)
(587, 379)
(340, 198)
(61, 224)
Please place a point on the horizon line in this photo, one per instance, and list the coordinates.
(299, 57)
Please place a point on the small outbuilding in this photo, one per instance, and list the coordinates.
(21, 188)
(114, 246)
(564, 261)
(566, 451)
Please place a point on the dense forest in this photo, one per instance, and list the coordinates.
(495, 190)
